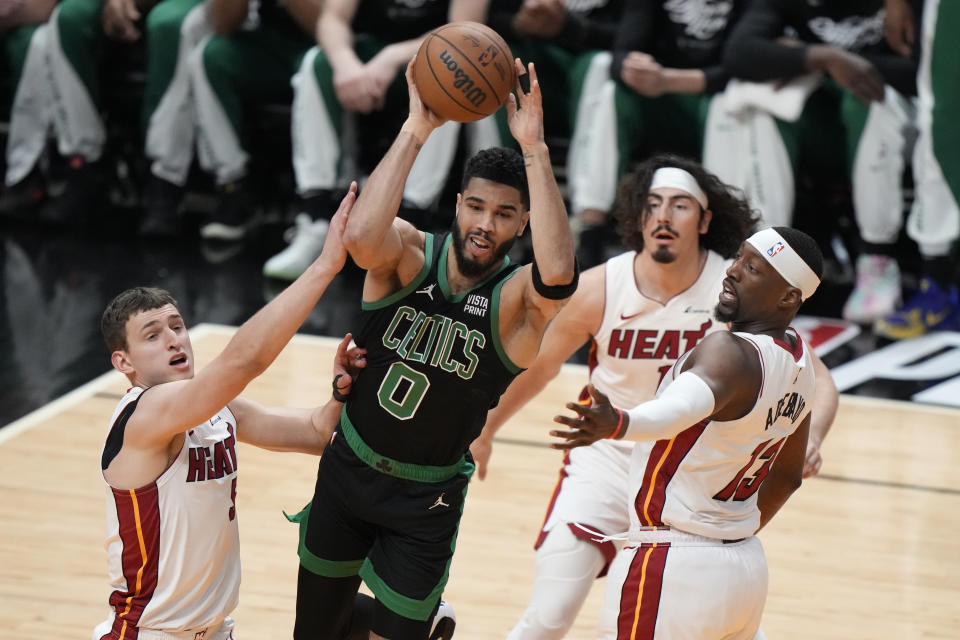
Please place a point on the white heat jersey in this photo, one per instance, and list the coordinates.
(705, 479)
(639, 338)
(173, 546)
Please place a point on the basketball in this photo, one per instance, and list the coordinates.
(464, 71)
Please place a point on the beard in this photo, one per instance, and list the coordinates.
(663, 255)
(476, 268)
(727, 316)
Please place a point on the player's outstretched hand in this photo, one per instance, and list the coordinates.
(346, 365)
(596, 422)
(334, 254)
(424, 120)
(481, 449)
(526, 118)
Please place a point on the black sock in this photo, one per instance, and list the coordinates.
(940, 270)
(882, 249)
(362, 618)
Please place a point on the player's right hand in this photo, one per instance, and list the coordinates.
(857, 75)
(480, 449)
(422, 120)
(118, 20)
(597, 421)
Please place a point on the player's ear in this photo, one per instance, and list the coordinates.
(791, 299)
(121, 362)
(524, 220)
(706, 215)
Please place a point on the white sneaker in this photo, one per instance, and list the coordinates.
(306, 239)
(444, 622)
(877, 292)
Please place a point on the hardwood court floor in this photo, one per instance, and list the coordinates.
(867, 550)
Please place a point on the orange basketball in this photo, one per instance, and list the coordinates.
(464, 71)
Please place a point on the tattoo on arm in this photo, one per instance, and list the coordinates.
(528, 159)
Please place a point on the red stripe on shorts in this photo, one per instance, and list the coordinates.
(640, 595)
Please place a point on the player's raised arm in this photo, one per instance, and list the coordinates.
(371, 237)
(549, 226)
(170, 408)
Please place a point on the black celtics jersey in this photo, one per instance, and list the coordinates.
(435, 364)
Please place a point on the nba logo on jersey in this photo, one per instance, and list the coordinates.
(775, 249)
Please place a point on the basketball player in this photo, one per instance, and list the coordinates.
(640, 311)
(447, 324)
(170, 459)
(727, 434)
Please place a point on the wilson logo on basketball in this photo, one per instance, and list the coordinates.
(462, 80)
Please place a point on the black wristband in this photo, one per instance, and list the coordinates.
(339, 397)
(556, 291)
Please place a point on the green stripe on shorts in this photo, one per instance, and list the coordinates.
(395, 468)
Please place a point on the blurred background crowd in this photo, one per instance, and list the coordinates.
(239, 122)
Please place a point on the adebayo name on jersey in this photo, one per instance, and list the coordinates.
(435, 340)
(791, 406)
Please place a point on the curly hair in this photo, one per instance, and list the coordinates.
(498, 164)
(733, 219)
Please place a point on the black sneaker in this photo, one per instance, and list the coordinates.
(24, 195)
(81, 188)
(162, 209)
(234, 216)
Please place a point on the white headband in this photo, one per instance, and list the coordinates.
(785, 260)
(678, 179)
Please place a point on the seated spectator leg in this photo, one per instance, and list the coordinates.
(934, 222)
(174, 28)
(748, 149)
(876, 148)
(74, 54)
(25, 49)
(226, 73)
(316, 119)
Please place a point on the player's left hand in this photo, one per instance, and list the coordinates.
(526, 116)
(592, 423)
(813, 460)
(334, 254)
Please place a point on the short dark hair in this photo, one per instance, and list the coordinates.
(805, 246)
(113, 322)
(733, 220)
(498, 164)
